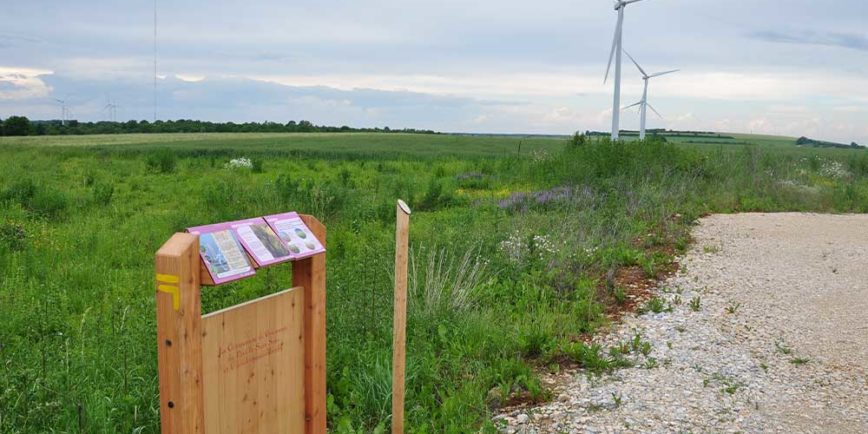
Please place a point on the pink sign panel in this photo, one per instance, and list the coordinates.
(222, 253)
(261, 242)
(295, 234)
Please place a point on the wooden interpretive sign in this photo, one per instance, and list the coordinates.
(258, 367)
(253, 366)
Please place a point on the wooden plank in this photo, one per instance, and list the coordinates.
(399, 326)
(310, 274)
(253, 366)
(179, 349)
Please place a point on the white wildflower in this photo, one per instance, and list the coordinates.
(833, 169)
(239, 163)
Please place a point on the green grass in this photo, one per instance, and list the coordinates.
(81, 218)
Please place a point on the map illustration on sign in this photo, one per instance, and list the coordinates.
(261, 242)
(222, 254)
(297, 236)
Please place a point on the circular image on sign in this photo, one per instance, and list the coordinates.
(300, 233)
(310, 245)
(294, 248)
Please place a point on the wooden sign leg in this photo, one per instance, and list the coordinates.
(179, 335)
(399, 335)
(310, 274)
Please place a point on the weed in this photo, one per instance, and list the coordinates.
(656, 305)
(732, 308)
(696, 304)
(782, 348)
(798, 361)
(617, 399)
(619, 295)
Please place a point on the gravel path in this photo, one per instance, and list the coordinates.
(778, 341)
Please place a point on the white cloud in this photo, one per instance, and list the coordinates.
(190, 78)
(22, 83)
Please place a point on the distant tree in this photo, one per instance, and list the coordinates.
(1, 126)
(39, 129)
(305, 126)
(16, 126)
(803, 141)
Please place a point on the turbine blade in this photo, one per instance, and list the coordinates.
(626, 2)
(636, 63)
(655, 111)
(614, 45)
(663, 73)
(631, 105)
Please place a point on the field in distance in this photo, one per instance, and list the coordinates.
(320, 143)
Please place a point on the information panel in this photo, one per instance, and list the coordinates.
(221, 252)
(264, 246)
(297, 236)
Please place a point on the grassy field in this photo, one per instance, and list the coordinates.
(528, 232)
(326, 145)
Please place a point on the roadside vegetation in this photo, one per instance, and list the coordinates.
(516, 244)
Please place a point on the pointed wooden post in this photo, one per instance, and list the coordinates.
(310, 273)
(179, 339)
(399, 339)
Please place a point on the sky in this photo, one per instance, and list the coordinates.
(795, 68)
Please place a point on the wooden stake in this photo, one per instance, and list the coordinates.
(399, 339)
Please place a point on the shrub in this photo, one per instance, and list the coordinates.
(13, 236)
(102, 193)
(39, 201)
(256, 165)
(162, 161)
(578, 139)
(21, 192)
(47, 203)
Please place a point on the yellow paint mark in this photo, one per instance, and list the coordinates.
(176, 294)
(167, 278)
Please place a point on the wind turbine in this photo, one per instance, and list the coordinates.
(111, 109)
(616, 53)
(643, 103)
(63, 111)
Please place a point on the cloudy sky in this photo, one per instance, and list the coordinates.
(795, 67)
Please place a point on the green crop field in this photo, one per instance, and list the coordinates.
(512, 241)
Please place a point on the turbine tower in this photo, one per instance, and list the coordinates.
(111, 109)
(63, 111)
(643, 103)
(616, 53)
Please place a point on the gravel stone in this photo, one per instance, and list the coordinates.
(778, 344)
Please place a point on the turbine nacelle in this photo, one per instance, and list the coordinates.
(621, 3)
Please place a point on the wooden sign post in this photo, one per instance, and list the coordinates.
(258, 367)
(399, 340)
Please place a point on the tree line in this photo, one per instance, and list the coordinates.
(804, 141)
(21, 126)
